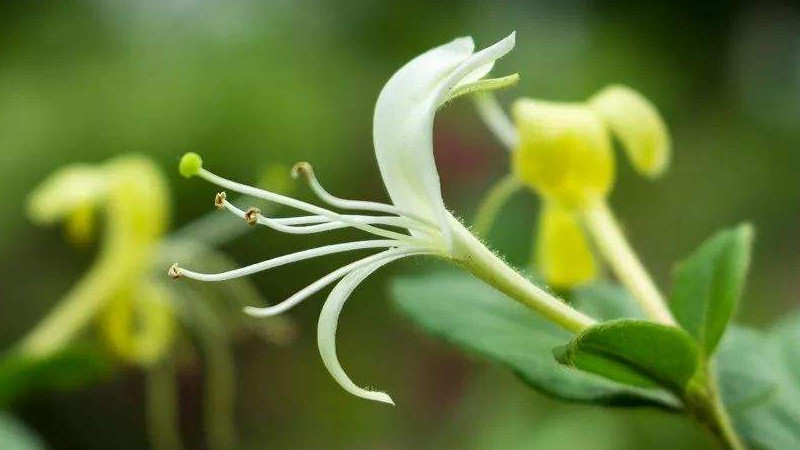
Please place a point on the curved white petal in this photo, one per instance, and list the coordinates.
(403, 122)
(326, 329)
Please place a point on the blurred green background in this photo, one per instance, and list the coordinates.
(247, 83)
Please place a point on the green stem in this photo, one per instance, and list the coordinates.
(220, 386)
(471, 254)
(629, 270)
(496, 197)
(705, 404)
(162, 406)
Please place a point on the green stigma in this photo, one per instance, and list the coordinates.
(190, 164)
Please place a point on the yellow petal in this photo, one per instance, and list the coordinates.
(564, 151)
(138, 324)
(80, 225)
(67, 189)
(563, 254)
(638, 126)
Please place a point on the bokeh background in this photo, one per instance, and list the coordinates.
(248, 83)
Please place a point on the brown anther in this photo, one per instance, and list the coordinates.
(219, 200)
(174, 271)
(251, 215)
(302, 168)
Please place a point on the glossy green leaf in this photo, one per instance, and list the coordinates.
(634, 352)
(760, 383)
(709, 283)
(476, 318)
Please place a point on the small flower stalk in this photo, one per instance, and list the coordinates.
(564, 152)
(415, 223)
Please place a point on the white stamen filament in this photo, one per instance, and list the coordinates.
(360, 205)
(316, 286)
(392, 221)
(331, 225)
(286, 259)
(294, 203)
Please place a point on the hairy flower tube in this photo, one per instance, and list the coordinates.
(415, 223)
(564, 152)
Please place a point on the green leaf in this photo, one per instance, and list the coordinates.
(15, 435)
(70, 368)
(709, 283)
(746, 378)
(760, 384)
(634, 352)
(476, 318)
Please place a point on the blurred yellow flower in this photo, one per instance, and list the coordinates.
(136, 313)
(117, 292)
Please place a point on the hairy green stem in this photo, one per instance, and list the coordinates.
(471, 254)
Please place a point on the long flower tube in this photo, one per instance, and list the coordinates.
(415, 223)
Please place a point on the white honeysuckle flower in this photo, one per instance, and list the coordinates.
(415, 223)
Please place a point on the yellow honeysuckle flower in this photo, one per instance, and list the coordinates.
(131, 192)
(125, 296)
(563, 151)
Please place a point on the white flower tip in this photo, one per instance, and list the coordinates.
(507, 43)
(219, 200)
(174, 271)
(381, 397)
(302, 168)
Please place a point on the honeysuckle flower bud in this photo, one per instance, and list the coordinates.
(415, 223)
